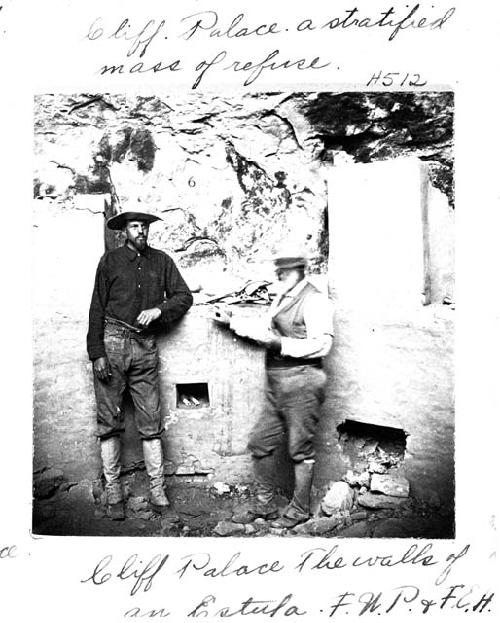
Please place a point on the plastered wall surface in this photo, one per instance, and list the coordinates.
(207, 440)
(67, 246)
(392, 363)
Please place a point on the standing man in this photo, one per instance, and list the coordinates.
(297, 335)
(138, 290)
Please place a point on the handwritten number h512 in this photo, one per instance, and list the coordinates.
(396, 78)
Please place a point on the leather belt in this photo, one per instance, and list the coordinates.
(290, 362)
(123, 325)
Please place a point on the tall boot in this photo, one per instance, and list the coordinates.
(263, 504)
(110, 454)
(153, 459)
(298, 509)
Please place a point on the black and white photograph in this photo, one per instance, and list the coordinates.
(244, 314)
(250, 315)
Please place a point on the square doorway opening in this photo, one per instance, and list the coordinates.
(192, 395)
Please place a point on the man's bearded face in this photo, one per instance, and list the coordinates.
(137, 234)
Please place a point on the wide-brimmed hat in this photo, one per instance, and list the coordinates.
(119, 221)
(290, 255)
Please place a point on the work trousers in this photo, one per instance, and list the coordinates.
(134, 364)
(293, 400)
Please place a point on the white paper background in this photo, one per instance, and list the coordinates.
(43, 49)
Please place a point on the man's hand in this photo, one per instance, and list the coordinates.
(102, 369)
(148, 315)
(271, 342)
(221, 315)
(247, 328)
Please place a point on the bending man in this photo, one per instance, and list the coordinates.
(297, 335)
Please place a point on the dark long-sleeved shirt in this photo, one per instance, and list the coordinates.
(128, 282)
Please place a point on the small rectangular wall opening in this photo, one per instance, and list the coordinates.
(192, 395)
(379, 448)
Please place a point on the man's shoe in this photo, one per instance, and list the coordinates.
(262, 504)
(157, 498)
(289, 522)
(116, 507)
(256, 510)
(116, 512)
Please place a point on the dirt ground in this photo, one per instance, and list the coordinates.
(198, 508)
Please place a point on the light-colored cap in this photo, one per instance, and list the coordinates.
(290, 255)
